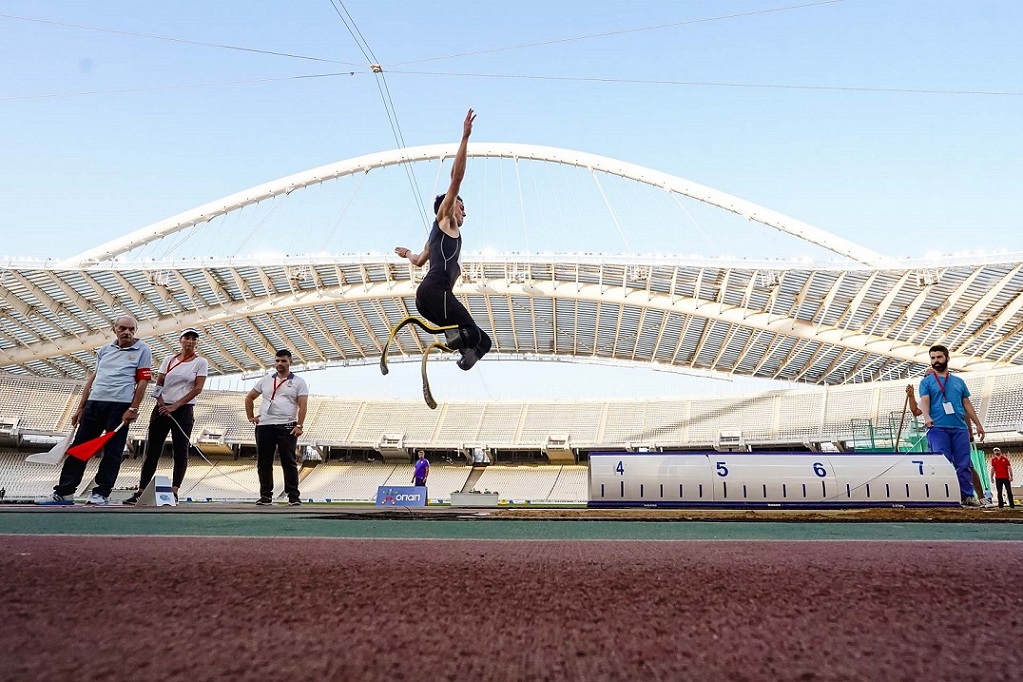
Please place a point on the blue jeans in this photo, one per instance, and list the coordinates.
(955, 445)
(98, 416)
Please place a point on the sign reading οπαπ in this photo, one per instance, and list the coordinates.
(401, 496)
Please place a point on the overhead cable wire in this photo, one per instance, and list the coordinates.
(718, 84)
(344, 211)
(385, 96)
(522, 205)
(173, 40)
(623, 31)
(358, 43)
(610, 209)
(184, 86)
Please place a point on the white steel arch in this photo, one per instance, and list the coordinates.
(364, 164)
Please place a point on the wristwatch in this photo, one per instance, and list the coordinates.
(133, 409)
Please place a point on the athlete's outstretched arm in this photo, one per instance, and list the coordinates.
(447, 206)
(417, 259)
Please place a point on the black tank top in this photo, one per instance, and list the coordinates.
(444, 253)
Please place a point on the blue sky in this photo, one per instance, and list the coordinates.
(815, 111)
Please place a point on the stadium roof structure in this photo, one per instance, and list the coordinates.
(868, 318)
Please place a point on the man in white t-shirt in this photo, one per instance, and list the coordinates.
(278, 426)
(180, 380)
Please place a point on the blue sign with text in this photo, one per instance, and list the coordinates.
(401, 496)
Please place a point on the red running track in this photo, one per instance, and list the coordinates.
(146, 608)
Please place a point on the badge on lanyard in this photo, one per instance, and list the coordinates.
(945, 404)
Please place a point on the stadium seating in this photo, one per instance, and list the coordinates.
(777, 418)
(520, 483)
(343, 482)
(571, 486)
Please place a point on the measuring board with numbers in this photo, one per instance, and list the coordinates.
(775, 479)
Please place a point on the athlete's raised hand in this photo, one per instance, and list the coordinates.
(467, 126)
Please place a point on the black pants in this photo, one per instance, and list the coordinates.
(437, 304)
(999, 483)
(159, 427)
(98, 416)
(419, 482)
(276, 439)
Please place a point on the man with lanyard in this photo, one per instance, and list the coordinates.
(180, 380)
(110, 400)
(945, 403)
(978, 485)
(422, 471)
(278, 426)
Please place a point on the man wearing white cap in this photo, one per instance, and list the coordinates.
(181, 378)
(1001, 473)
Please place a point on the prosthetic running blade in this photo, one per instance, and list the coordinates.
(427, 395)
(422, 324)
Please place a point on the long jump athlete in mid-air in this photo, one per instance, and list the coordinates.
(434, 297)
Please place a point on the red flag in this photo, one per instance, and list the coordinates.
(84, 451)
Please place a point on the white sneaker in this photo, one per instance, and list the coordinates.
(55, 500)
(98, 500)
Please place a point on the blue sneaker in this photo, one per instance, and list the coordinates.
(56, 500)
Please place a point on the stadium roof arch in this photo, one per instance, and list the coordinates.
(872, 318)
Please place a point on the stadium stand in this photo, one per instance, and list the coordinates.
(334, 421)
(40, 405)
(623, 425)
(226, 480)
(520, 483)
(544, 418)
(796, 418)
(462, 423)
(1005, 406)
(571, 486)
(23, 479)
(501, 423)
(344, 482)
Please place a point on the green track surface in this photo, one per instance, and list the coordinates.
(272, 524)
